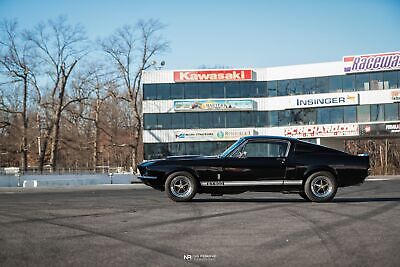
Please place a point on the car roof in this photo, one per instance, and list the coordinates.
(253, 137)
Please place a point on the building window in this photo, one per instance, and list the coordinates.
(218, 120)
(204, 90)
(218, 90)
(392, 112)
(177, 91)
(335, 84)
(377, 112)
(349, 83)
(164, 121)
(284, 117)
(273, 118)
(349, 114)
(261, 119)
(362, 82)
(233, 120)
(192, 120)
(272, 88)
(177, 120)
(363, 113)
(322, 85)
(163, 91)
(232, 90)
(149, 121)
(206, 119)
(191, 91)
(150, 91)
(390, 80)
(376, 81)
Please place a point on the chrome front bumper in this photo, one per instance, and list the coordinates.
(144, 177)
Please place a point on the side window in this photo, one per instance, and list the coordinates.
(265, 149)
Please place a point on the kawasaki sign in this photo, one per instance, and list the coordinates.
(372, 62)
(213, 75)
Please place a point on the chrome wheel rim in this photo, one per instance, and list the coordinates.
(321, 186)
(181, 186)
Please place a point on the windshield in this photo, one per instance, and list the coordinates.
(231, 148)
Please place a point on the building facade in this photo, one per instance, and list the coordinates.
(204, 111)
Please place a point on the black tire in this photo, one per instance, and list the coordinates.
(304, 196)
(181, 186)
(320, 187)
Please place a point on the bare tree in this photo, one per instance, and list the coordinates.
(15, 60)
(132, 50)
(59, 47)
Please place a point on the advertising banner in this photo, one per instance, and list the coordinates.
(213, 75)
(395, 95)
(371, 62)
(325, 100)
(380, 129)
(328, 130)
(214, 105)
(211, 135)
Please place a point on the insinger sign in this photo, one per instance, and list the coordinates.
(213, 75)
(323, 100)
(376, 62)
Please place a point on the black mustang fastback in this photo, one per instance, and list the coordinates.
(258, 163)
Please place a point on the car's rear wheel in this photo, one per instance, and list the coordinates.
(320, 187)
(304, 196)
(181, 186)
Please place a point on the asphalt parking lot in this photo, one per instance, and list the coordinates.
(132, 225)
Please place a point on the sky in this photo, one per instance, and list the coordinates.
(236, 34)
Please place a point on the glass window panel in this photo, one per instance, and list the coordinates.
(248, 119)
(178, 120)
(390, 80)
(207, 148)
(163, 91)
(284, 117)
(265, 149)
(156, 151)
(233, 119)
(350, 114)
(193, 148)
(303, 116)
(272, 88)
(362, 82)
(164, 121)
(218, 90)
(376, 81)
(335, 84)
(283, 87)
(204, 90)
(232, 90)
(349, 83)
(377, 112)
(336, 115)
(305, 86)
(273, 118)
(150, 91)
(218, 119)
(192, 120)
(392, 112)
(176, 149)
(205, 119)
(247, 89)
(191, 91)
(261, 89)
(363, 113)
(323, 115)
(177, 91)
(149, 121)
(322, 85)
(261, 118)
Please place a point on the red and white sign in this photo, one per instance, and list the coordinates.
(328, 130)
(213, 75)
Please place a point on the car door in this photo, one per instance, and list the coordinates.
(257, 162)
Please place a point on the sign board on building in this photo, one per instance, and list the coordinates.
(380, 129)
(371, 62)
(214, 105)
(328, 130)
(211, 135)
(325, 100)
(213, 75)
(395, 94)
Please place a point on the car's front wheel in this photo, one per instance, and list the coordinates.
(181, 186)
(320, 187)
